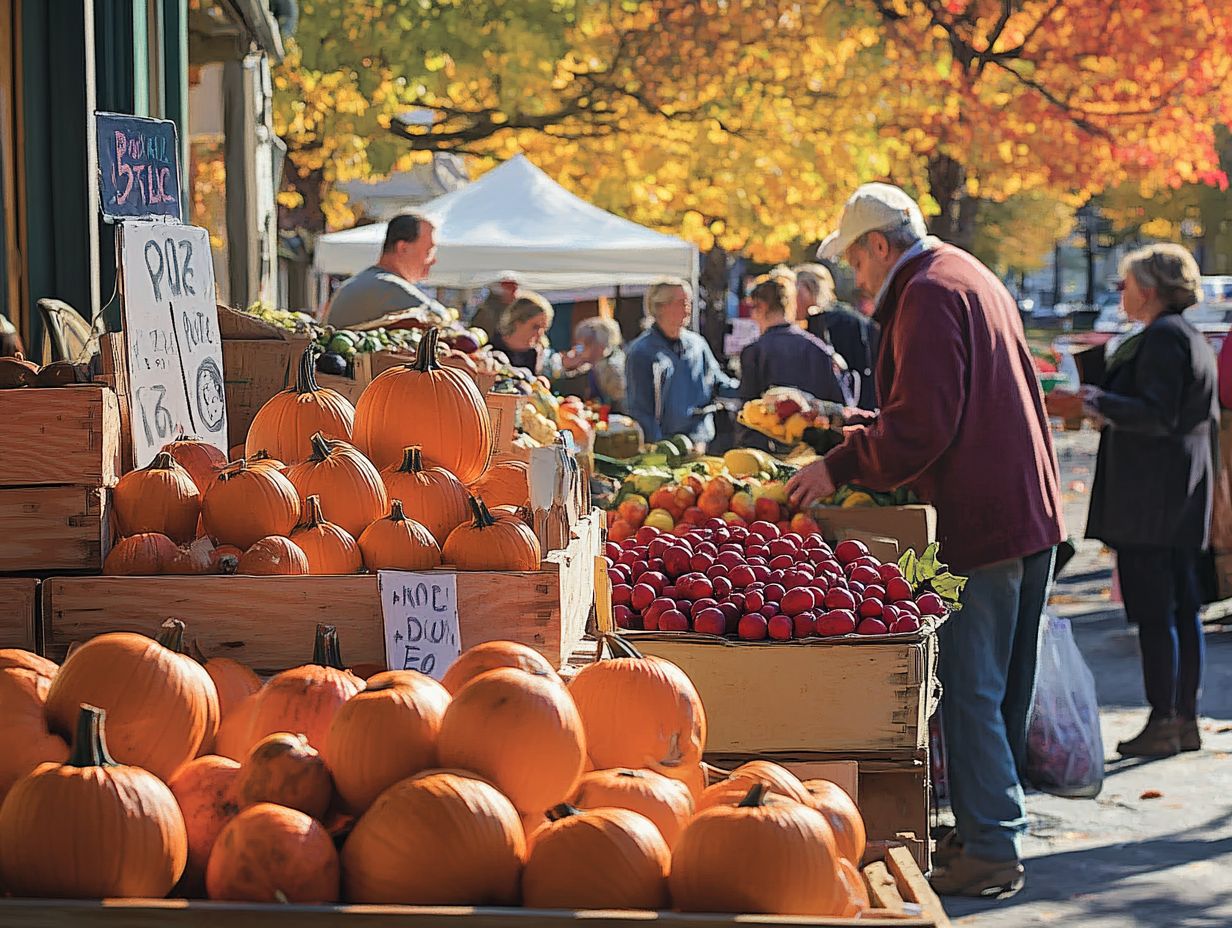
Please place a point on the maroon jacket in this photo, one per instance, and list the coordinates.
(962, 416)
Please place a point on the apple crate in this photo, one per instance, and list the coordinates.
(17, 614)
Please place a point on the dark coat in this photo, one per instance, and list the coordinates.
(1155, 474)
(857, 339)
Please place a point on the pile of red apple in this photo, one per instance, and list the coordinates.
(759, 582)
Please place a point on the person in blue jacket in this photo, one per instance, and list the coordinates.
(672, 376)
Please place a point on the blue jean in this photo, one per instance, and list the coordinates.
(987, 663)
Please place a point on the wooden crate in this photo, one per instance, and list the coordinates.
(897, 888)
(267, 622)
(18, 596)
(66, 435)
(54, 528)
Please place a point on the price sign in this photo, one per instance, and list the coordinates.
(421, 620)
(174, 350)
(138, 167)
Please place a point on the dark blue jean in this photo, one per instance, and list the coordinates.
(988, 656)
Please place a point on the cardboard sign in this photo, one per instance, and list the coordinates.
(138, 167)
(421, 620)
(171, 337)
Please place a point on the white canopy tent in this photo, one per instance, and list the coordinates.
(516, 218)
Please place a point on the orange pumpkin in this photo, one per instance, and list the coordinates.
(201, 459)
(488, 543)
(436, 839)
(398, 543)
(506, 484)
(518, 730)
(431, 496)
(489, 656)
(664, 801)
(286, 770)
(235, 739)
(832, 801)
(23, 723)
(160, 497)
(161, 704)
(439, 409)
(329, 548)
(147, 554)
(273, 556)
(205, 791)
(246, 504)
(731, 791)
(384, 734)
(268, 853)
(288, 420)
(347, 483)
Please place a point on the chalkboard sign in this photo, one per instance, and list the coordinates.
(175, 380)
(138, 167)
(420, 611)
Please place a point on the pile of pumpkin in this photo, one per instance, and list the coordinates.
(501, 785)
(402, 481)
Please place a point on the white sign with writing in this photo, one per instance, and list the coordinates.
(421, 620)
(175, 375)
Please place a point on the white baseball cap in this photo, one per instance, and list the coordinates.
(871, 207)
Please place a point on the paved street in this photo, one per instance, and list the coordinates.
(1155, 848)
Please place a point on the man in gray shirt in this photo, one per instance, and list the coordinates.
(389, 285)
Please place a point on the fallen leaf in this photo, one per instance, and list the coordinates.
(1151, 794)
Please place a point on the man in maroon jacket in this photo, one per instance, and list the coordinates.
(961, 422)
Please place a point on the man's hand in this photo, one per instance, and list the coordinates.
(811, 483)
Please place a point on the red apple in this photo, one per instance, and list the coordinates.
(836, 622)
(673, 620)
(870, 609)
(804, 624)
(752, 627)
(780, 627)
(797, 600)
(850, 550)
(624, 617)
(897, 589)
(930, 604)
(839, 598)
(872, 627)
(710, 622)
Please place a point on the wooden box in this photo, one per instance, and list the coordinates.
(60, 436)
(54, 528)
(17, 617)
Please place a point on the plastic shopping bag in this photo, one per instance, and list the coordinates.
(1065, 748)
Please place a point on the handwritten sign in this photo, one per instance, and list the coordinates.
(421, 620)
(138, 167)
(171, 335)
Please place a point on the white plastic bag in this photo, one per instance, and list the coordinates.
(1065, 748)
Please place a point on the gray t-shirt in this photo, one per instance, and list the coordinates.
(373, 293)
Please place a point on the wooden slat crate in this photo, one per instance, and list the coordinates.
(54, 528)
(18, 596)
(66, 435)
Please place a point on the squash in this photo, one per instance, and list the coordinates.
(666, 802)
(161, 704)
(439, 409)
(246, 504)
(329, 548)
(160, 497)
(731, 791)
(273, 556)
(143, 555)
(268, 853)
(398, 543)
(205, 791)
(347, 483)
(286, 770)
(490, 655)
(521, 732)
(838, 808)
(436, 839)
(201, 459)
(488, 543)
(430, 495)
(506, 484)
(23, 724)
(285, 424)
(90, 828)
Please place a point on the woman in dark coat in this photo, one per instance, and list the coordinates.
(1151, 498)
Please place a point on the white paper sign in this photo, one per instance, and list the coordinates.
(421, 620)
(175, 375)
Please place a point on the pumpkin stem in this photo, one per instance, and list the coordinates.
(89, 740)
(412, 460)
(162, 461)
(306, 381)
(564, 810)
(326, 651)
(619, 646)
(396, 512)
(320, 447)
(755, 798)
(425, 358)
(171, 636)
(483, 517)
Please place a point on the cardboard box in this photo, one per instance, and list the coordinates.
(912, 526)
(54, 528)
(65, 435)
(17, 617)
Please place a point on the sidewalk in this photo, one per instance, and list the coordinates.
(1155, 848)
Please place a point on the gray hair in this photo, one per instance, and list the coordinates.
(900, 236)
(603, 332)
(661, 292)
(816, 282)
(1168, 269)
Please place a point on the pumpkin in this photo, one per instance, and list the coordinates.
(160, 497)
(205, 791)
(666, 802)
(143, 555)
(305, 699)
(602, 859)
(838, 808)
(439, 409)
(506, 484)
(268, 853)
(489, 656)
(161, 704)
(233, 681)
(731, 791)
(347, 483)
(91, 828)
(488, 543)
(521, 732)
(201, 459)
(640, 712)
(398, 543)
(858, 901)
(431, 496)
(245, 504)
(273, 556)
(436, 839)
(384, 734)
(286, 770)
(788, 860)
(329, 548)
(234, 739)
(288, 420)
(23, 724)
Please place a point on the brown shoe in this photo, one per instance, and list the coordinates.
(1160, 738)
(965, 875)
(1190, 736)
